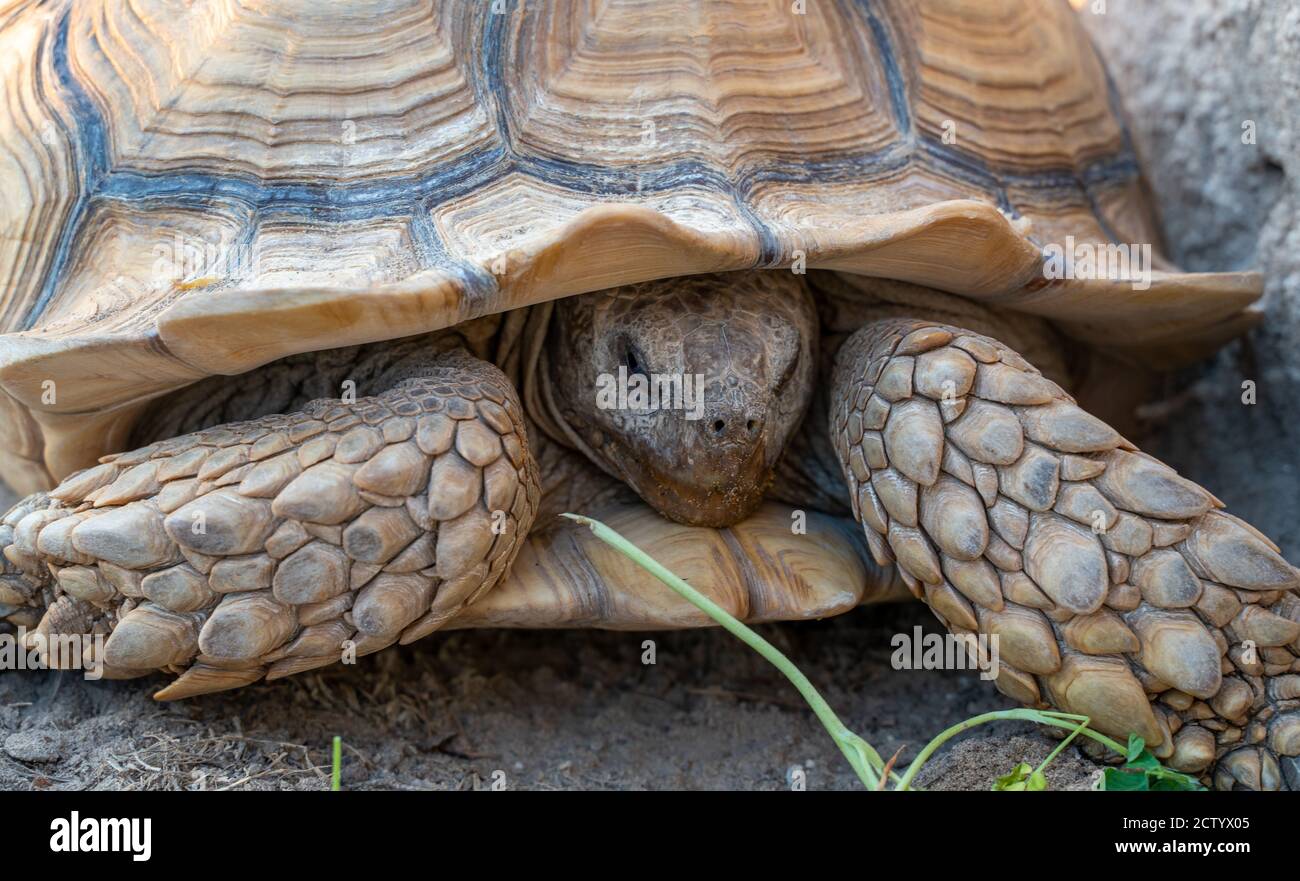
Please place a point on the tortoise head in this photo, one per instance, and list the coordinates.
(687, 388)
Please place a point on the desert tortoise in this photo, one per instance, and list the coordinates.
(331, 292)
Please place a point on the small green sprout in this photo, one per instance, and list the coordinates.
(1023, 778)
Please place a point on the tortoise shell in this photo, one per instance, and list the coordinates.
(200, 188)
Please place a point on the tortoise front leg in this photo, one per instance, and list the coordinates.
(264, 548)
(1116, 588)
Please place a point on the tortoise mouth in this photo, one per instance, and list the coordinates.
(720, 491)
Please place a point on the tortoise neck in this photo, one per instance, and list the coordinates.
(290, 383)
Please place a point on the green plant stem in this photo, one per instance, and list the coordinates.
(1060, 746)
(864, 759)
(1021, 715)
(1054, 718)
(337, 772)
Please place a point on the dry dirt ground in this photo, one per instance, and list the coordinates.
(552, 710)
(580, 711)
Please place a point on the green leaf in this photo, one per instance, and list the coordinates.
(1176, 781)
(1142, 772)
(1016, 781)
(1144, 762)
(1023, 778)
(1120, 780)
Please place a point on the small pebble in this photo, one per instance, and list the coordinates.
(34, 746)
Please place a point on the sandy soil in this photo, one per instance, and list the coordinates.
(558, 710)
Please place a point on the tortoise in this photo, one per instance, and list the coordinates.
(312, 312)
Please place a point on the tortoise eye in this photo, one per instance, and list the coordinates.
(632, 360)
(787, 375)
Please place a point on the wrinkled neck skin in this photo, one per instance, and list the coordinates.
(290, 383)
(687, 389)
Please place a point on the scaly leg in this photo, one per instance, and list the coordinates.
(1116, 588)
(268, 547)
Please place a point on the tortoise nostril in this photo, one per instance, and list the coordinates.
(749, 426)
(719, 426)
